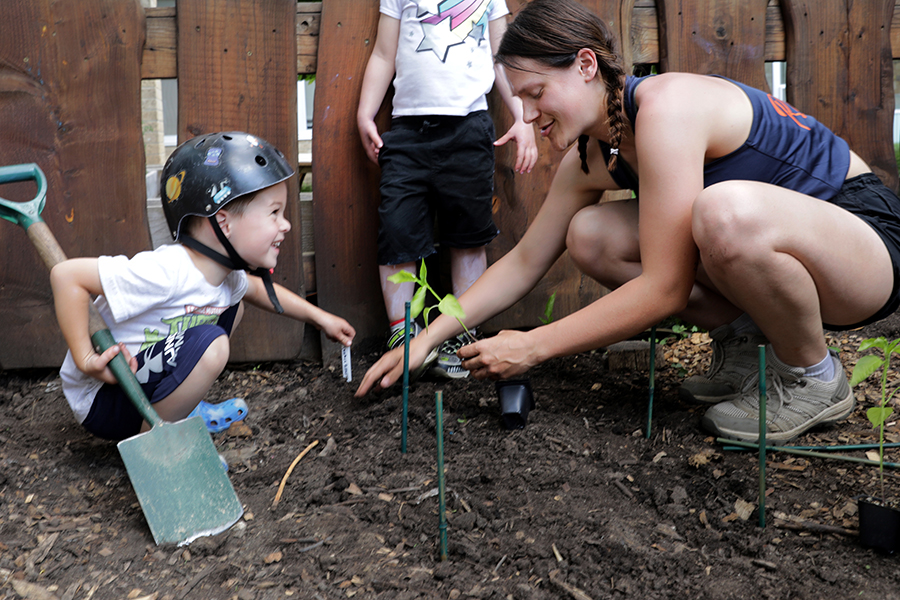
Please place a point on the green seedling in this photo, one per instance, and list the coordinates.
(448, 305)
(866, 366)
(548, 309)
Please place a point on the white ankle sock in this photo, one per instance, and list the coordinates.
(823, 370)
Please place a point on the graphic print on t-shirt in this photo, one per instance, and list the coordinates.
(451, 22)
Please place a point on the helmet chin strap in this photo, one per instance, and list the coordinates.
(233, 260)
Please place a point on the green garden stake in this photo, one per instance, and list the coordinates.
(762, 435)
(405, 418)
(737, 445)
(652, 378)
(442, 499)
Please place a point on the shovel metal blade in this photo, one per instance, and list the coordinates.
(180, 482)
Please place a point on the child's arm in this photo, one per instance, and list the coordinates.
(521, 132)
(74, 281)
(335, 328)
(378, 76)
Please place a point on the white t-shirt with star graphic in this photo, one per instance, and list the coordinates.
(444, 63)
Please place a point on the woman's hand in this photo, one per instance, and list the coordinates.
(389, 368)
(97, 365)
(507, 354)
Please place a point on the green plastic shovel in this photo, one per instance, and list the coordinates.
(174, 468)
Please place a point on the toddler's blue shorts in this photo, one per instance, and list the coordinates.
(165, 365)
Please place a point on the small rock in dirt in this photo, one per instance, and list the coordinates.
(329, 448)
(464, 521)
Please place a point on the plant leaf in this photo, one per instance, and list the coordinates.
(878, 415)
(425, 315)
(417, 303)
(878, 342)
(423, 273)
(449, 305)
(402, 277)
(548, 309)
(864, 367)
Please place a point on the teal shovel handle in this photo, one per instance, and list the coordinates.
(102, 340)
(23, 213)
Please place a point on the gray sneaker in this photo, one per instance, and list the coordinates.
(395, 340)
(794, 404)
(448, 364)
(734, 357)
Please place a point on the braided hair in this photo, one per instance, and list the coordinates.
(551, 32)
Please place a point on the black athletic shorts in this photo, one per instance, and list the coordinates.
(435, 167)
(869, 199)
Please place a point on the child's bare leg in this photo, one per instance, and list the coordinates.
(396, 295)
(466, 265)
(184, 399)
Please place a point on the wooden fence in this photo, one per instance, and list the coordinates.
(69, 101)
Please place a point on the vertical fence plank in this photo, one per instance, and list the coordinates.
(237, 70)
(717, 37)
(70, 102)
(345, 182)
(840, 71)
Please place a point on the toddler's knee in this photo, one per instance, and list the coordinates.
(217, 353)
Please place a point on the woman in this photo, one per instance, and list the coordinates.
(741, 201)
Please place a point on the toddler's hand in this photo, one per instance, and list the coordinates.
(97, 365)
(338, 330)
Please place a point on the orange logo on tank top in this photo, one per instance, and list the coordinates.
(786, 110)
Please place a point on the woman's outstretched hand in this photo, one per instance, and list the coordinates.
(507, 354)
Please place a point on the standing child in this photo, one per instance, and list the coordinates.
(438, 157)
(172, 310)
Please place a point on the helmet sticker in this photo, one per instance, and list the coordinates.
(220, 192)
(253, 141)
(173, 186)
(212, 157)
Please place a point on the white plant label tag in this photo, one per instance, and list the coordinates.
(345, 363)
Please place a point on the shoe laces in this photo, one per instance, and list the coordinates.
(779, 385)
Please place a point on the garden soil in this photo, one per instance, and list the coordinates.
(579, 504)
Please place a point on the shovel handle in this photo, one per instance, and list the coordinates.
(51, 253)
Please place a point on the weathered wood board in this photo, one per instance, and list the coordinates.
(345, 182)
(840, 71)
(237, 65)
(70, 102)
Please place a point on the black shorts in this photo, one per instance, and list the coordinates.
(869, 199)
(435, 167)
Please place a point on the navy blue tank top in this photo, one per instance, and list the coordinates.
(785, 148)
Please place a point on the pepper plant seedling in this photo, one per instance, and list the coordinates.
(548, 309)
(448, 305)
(866, 366)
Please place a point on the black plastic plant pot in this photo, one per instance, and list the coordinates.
(516, 400)
(879, 525)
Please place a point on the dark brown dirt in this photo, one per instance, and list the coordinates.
(577, 505)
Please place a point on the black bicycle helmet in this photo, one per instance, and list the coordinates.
(209, 171)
